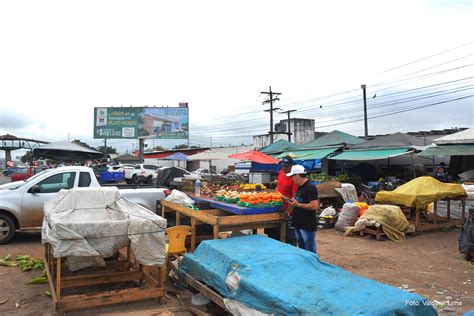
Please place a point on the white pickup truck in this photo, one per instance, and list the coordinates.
(21, 202)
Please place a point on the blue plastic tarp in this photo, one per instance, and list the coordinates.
(284, 280)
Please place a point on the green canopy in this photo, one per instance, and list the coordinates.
(279, 146)
(333, 138)
(309, 154)
(449, 150)
(371, 154)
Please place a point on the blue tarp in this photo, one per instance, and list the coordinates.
(284, 280)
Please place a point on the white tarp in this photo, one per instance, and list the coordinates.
(89, 224)
(463, 137)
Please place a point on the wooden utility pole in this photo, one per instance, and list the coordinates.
(271, 109)
(105, 149)
(366, 126)
(289, 124)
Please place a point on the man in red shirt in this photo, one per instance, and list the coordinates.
(285, 184)
(288, 188)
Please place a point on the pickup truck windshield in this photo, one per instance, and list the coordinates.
(31, 178)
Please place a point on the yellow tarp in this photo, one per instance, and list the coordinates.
(393, 221)
(419, 192)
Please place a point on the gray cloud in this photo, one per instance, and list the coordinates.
(12, 120)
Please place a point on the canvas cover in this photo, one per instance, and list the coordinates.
(276, 278)
(390, 217)
(89, 224)
(419, 192)
(166, 175)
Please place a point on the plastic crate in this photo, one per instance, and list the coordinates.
(107, 176)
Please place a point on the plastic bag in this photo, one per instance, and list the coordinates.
(328, 211)
(179, 197)
(347, 217)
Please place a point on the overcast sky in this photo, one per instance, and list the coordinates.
(60, 59)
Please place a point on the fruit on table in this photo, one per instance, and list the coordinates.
(252, 186)
(260, 197)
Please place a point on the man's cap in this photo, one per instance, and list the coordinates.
(287, 161)
(296, 169)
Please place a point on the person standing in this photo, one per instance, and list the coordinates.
(287, 188)
(304, 206)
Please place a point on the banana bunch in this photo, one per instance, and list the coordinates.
(251, 186)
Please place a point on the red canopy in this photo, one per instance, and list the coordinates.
(255, 156)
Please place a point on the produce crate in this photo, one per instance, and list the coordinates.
(107, 176)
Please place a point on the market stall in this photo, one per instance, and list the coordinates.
(418, 193)
(225, 220)
(94, 239)
(256, 274)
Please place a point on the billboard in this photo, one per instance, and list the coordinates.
(141, 122)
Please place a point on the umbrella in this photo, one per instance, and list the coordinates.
(176, 156)
(66, 151)
(255, 156)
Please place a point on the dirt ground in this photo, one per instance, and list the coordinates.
(428, 264)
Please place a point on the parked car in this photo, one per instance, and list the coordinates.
(141, 173)
(205, 173)
(25, 173)
(9, 171)
(21, 202)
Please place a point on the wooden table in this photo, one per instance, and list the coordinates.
(438, 222)
(225, 221)
(115, 272)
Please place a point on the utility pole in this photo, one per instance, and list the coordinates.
(105, 148)
(141, 147)
(289, 126)
(271, 109)
(366, 127)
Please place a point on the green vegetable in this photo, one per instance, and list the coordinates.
(38, 280)
(27, 263)
(7, 262)
(48, 293)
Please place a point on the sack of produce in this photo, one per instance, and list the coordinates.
(347, 217)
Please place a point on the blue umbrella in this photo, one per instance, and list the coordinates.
(176, 156)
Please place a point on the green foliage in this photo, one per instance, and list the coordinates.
(182, 146)
(109, 150)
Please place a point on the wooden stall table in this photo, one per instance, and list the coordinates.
(116, 271)
(439, 222)
(225, 221)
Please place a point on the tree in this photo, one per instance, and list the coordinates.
(109, 150)
(159, 148)
(182, 146)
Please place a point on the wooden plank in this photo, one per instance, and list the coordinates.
(58, 278)
(198, 312)
(201, 287)
(108, 278)
(215, 231)
(240, 219)
(50, 279)
(151, 280)
(193, 234)
(249, 226)
(80, 301)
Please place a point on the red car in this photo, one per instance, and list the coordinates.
(25, 173)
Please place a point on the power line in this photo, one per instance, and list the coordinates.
(424, 58)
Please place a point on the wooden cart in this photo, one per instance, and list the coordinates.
(120, 270)
(225, 221)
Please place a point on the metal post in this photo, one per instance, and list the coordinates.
(366, 128)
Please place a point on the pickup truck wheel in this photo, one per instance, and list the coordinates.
(149, 180)
(7, 229)
(134, 179)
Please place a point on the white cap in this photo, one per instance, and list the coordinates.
(296, 169)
